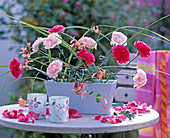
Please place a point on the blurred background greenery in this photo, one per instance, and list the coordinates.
(47, 13)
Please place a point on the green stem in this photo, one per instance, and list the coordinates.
(4, 74)
(49, 53)
(86, 77)
(4, 65)
(148, 27)
(127, 63)
(106, 56)
(66, 67)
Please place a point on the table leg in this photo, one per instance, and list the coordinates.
(88, 136)
(123, 134)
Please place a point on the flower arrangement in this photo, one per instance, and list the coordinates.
(82, 50)
(75, 60)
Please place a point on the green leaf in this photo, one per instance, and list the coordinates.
(117, 104)
(128, 114)
(91, 92)
(97, 100)
(101, 81)
(38, 103)
(98, 96)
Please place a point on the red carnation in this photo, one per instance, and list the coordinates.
(15, 68)
(87, 56)
(57, 29)
(121, 54)
(143, 48)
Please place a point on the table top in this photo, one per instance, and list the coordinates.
(84, 125)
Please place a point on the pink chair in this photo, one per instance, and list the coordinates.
(156, 92)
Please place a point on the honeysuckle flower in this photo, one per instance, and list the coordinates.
(101, 74)
(82, 94)
(143, 48)
(26, 64)
(51, 41)
(77, 44)
(88, 42)
(95, 29)
(15, 68)
(105, 101)
(26, 51)
(54, 68)
(121, 54)
(140, 78)
(78, 86)
(22, 102)
(118, 38)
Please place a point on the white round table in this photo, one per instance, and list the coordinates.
(85, 125)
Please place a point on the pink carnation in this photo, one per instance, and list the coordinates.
(52, 40)
(15, 68)
(36, 44)
(140, 78)
(143, 49)
(87, 56)
(118, 38)
(57, 29)
(89, 42)
(54, 68)
(121, 54)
